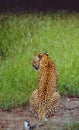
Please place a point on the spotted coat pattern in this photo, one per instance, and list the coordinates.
(45, 100)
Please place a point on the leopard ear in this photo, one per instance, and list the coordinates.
(46, 53)
(39, 56)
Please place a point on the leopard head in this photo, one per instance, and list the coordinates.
(37, 59)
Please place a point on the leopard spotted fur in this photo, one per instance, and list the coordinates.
(45, 100)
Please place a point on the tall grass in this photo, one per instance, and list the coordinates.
(26, 34)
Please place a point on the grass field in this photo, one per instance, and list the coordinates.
(22, 35)
(72, 126)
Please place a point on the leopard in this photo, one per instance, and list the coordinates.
(45, 99)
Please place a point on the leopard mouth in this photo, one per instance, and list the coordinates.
(36, 67)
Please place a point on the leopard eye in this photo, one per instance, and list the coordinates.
(39, 56)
